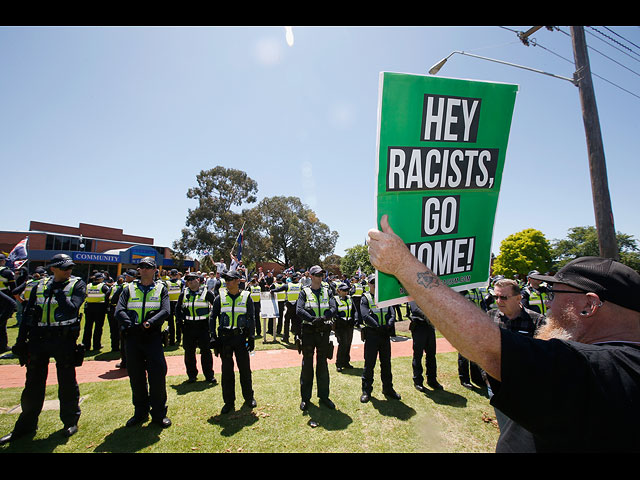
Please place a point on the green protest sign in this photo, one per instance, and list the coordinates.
(441, 152)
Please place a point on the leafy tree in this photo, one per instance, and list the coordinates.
(522, 252)
(583, 242)
(291, 232)
(213, 226)
(354, 258)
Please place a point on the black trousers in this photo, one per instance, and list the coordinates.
(289, 319)
(114, 330)
(94, 314)
(280, 317)
(42, 347)
(314, 344)
(175, 332)
(377, 343)
(7, 307)
(469, 371)
(147, 370)
(344, 335)
(424, 345)
(256, 317)
(235, 346)
(196, 335)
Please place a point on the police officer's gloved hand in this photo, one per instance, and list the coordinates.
(251, 344)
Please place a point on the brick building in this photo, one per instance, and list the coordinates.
(92, 247)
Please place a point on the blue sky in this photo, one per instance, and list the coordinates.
(99, 123)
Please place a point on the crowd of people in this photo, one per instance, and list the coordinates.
(545, 370)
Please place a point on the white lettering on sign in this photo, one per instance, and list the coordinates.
(450, 119)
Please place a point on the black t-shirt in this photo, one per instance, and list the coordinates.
(563, 396)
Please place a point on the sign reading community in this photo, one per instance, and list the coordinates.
(441, 152)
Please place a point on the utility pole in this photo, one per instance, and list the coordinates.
(595, 149)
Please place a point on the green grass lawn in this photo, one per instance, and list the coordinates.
(453, 420)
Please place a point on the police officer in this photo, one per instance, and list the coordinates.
(112, 300)
(345, 321)
(192, 315)
(357, 289)
(233, 311)
(129, 276)
(7, 303)
(292, 294)
(95, 310)
(174, 286)
(279, 289)
(255, 290)
(424, 343)
(142, 308)
(315, 309)
(378, 325)
(50, 328)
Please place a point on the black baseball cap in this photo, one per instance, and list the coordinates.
(610, 280)
(231, 275)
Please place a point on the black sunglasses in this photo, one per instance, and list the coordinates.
(552, 293)
(145, 266)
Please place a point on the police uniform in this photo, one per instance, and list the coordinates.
(192, 314)
(292, 293)
(280, 290)
(345, 322)
(7, 303)
(235, 338)
(254, 291)
(315, 311)
(95, 310)
(378, 325)
(50, 328)
(141, 311)
(175, 287)
(112, 301)
(424, 344)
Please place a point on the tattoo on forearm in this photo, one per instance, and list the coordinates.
(427, 279)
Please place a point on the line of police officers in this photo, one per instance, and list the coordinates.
(222, 318)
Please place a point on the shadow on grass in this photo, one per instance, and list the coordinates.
(27, 444)
(443, 397)
(393, 408)
(130, 439)
(235, 421)
(188, 387)
(321, 416)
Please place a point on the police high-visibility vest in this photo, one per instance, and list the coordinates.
(142, 303)
(255, 292)
(359, 290)
(95, 294)
(314, 304)
(174, 289)
(195, 305)
(375, 310)
(3, 280)
(344, 305)
(233, 311)
(50, 315)
(293, 291)
(31, 284)
(280, 296)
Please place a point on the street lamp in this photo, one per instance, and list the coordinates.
(597, 166)
(436, 68)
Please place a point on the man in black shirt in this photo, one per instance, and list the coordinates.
(582, 384)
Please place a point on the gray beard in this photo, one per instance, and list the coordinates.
(562, 326)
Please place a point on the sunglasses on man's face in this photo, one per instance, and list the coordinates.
(145, 267)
